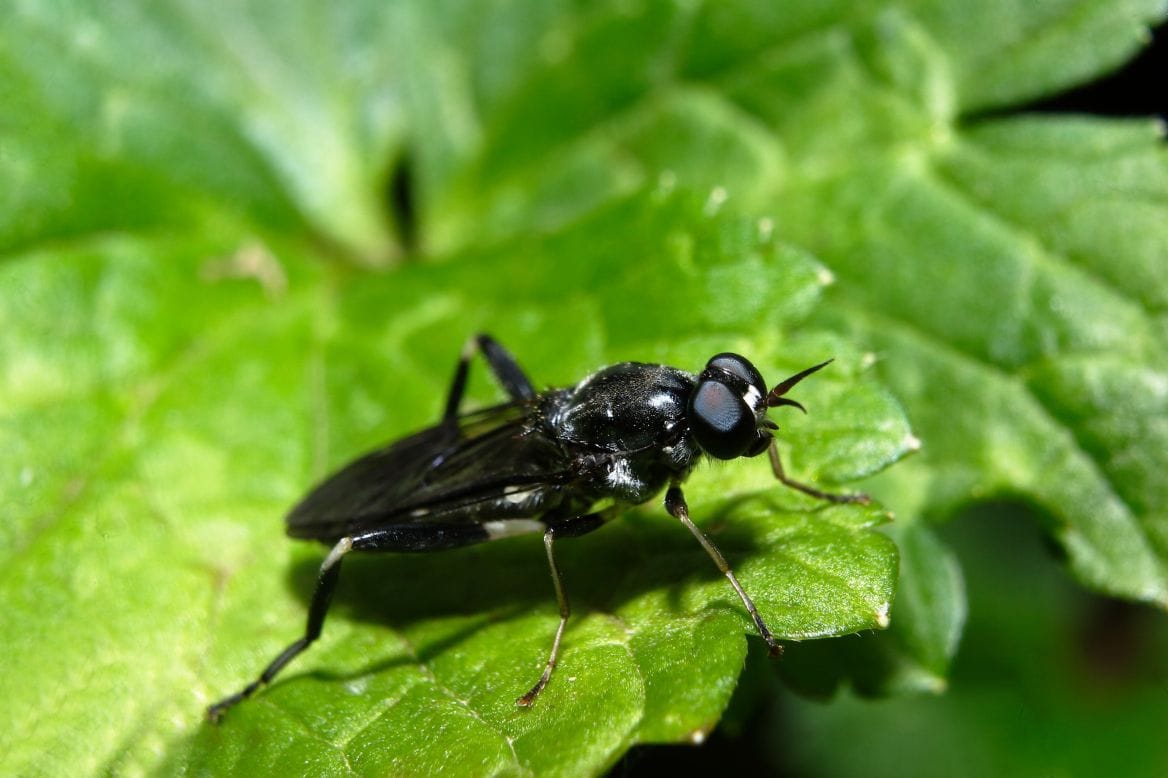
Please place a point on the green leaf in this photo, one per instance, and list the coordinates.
(1058, 383)
(189, 335)
(1008, 270)
(1085, 669)
(913, 656)
(163, 417)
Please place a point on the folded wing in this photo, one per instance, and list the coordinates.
(492, 465)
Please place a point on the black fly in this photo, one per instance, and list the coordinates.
(560, 462)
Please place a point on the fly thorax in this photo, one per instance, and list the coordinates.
(624, 408)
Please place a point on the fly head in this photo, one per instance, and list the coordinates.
(727, 411)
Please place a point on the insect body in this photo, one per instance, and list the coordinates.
(561, 462)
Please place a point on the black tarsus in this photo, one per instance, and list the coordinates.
(326, 584)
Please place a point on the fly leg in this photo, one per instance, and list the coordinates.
(565, 610)
(506, 370)
(777, 467)
(326, 584)
(392, 538)
(571, 527)
(676, 505)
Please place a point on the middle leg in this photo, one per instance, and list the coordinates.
(571, 527)
(527, 699)
(678, 509)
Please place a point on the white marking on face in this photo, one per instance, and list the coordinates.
(509, 527)
(752, 396)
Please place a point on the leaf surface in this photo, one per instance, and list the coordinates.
(189, 336)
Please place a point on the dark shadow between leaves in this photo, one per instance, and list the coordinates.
(401, 202)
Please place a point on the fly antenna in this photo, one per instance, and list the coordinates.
(776, 398)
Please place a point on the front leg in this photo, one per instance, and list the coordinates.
(777, 468)
(678, 509)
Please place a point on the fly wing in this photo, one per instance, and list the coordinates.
(493, 464)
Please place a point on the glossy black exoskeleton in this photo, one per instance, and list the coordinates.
(560, 462)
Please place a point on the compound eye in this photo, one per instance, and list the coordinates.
(738, 365)
(721, 422)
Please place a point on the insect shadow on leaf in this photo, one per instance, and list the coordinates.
(624, 563)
